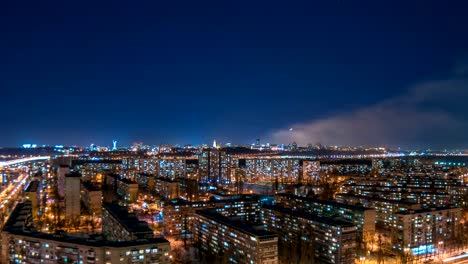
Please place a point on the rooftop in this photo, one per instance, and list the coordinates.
(17, 224)
(165, 179)
(73, 174)
(144, 174)
(33, 186)
(127, 181)
(238, 225)
(427, 210)
(380, 199)
(90, 187)
(332, 203)
(309, 216)
(129, 221)
(238, 198)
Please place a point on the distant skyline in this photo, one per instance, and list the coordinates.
(187, 72)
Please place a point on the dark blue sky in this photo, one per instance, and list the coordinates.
(189, 71)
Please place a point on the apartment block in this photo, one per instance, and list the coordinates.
(21, 243)
(233, 241)
(425, 230)
(91, 196)
(119, 225)
(330, 240)
(364, 218)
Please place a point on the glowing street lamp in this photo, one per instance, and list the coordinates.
(362, 259)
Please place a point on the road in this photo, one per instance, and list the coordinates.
(12, 194)
(23, 160)
(457, 258)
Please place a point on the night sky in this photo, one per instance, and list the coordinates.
(187, 72)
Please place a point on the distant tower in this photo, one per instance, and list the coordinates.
(257, 142)
(214, 144)
(114, 144)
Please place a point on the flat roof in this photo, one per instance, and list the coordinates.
(73, 174)
(129, 221)
(185, 154)
(242, 198)
(164, 179)
(33, 186)
(119, 178)
(309, 216)
(238, 225)
(426, 210)
(90, 187)
(375, 198)
(113, 175)
(147, 175)
(332, 203)
(16, 225)
(126, 181)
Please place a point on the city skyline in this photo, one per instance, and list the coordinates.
(338, 73)
(233, 205)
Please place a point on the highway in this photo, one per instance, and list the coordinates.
(18, 161)
(13, 192)
(458, 258)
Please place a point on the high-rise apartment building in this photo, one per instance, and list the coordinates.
(32, 194)
(23, 244)
(426, 230)
(362, 217)
(328, 240)
(119, 225)
(91, 196)
(72, 195)
(232, 241)
(62, 170)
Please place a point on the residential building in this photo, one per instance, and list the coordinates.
(119, 225)
(32, 194)
(330, 240)
(362, 217)
(146, 182)
(230, 240)
(426, 230)
(72, 195)
(385, 209)
(167, 188)
(125, 188)
(91, 196)
(62, 170)
(179, 215)
(23, 244)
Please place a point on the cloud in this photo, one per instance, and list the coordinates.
(433, 114)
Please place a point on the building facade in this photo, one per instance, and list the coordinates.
(329, 240)
(362, 217)
(119, 225)
(426, 230)
(32, 194)
(22, 244)
(72, 195)
(91, 196)
(233, 241)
